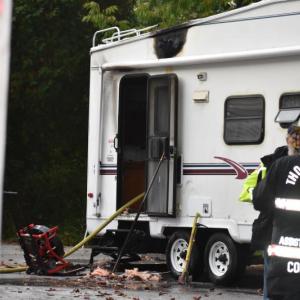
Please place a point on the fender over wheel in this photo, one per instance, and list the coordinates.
(224, 259)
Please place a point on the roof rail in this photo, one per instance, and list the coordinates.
(120, 35)
(104, 30)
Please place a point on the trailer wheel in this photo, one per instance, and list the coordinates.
(176, 253)
(223, 259)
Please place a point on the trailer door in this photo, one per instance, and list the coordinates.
(162, 138)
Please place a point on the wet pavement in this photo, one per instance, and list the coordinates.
(23, 286)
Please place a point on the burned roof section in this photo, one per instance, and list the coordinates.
(170, 43)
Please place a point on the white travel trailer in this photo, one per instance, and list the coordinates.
(206, 93)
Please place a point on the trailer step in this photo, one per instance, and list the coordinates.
(120, 230)
(112, 252)
(105, 248)
(111, 242)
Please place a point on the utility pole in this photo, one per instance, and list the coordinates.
(5, 32)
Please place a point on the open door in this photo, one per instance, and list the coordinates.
(162, 138)
(147, 129)
(132, 140)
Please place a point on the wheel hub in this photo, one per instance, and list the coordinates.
(223, 258)
(219, 258)
(183, 254)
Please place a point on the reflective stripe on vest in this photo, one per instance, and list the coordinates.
(284, 251)
(287, 204)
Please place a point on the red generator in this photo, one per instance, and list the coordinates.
(43, 250)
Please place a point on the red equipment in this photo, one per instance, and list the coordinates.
(43, 250)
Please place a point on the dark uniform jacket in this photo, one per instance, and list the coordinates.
(279, 194)
(262, 226)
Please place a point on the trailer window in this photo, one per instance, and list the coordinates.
(244, 120)
(289, 101)
(289, 109)
(162, 116)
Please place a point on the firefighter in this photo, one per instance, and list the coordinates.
(262, 226)
(278, 195)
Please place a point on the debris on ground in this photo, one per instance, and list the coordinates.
(133, 274)
(102, 272)
(105, 263)
(120, 294)
(11, 264)
(129, 280)
(4, 265)
(144, 276)
(260, 292)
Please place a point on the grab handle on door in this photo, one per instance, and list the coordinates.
(116, 143)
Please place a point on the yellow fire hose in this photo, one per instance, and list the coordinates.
(88, 238)
(12, 270)
(183, 278)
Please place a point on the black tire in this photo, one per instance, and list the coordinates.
(224, 259)
(175, 257)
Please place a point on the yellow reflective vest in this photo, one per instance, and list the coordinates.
(251, 182)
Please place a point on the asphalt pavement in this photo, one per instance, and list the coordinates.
(24, 286)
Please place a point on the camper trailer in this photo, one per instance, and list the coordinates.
(207, 99)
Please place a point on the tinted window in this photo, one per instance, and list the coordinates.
(290, 101)
(244, 120)
(162, 114)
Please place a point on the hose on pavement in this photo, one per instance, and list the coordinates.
(88, 238)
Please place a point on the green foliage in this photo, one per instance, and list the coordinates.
(166, 13)
(100, 18)
(71, 233)
(48, 113)
(108, 14)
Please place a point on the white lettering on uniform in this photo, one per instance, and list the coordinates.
(293, 267)
(293, 176)
(289, 241)
(289, 181)
(290, 267)
(297, 170)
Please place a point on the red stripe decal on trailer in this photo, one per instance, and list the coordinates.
(241, 172)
